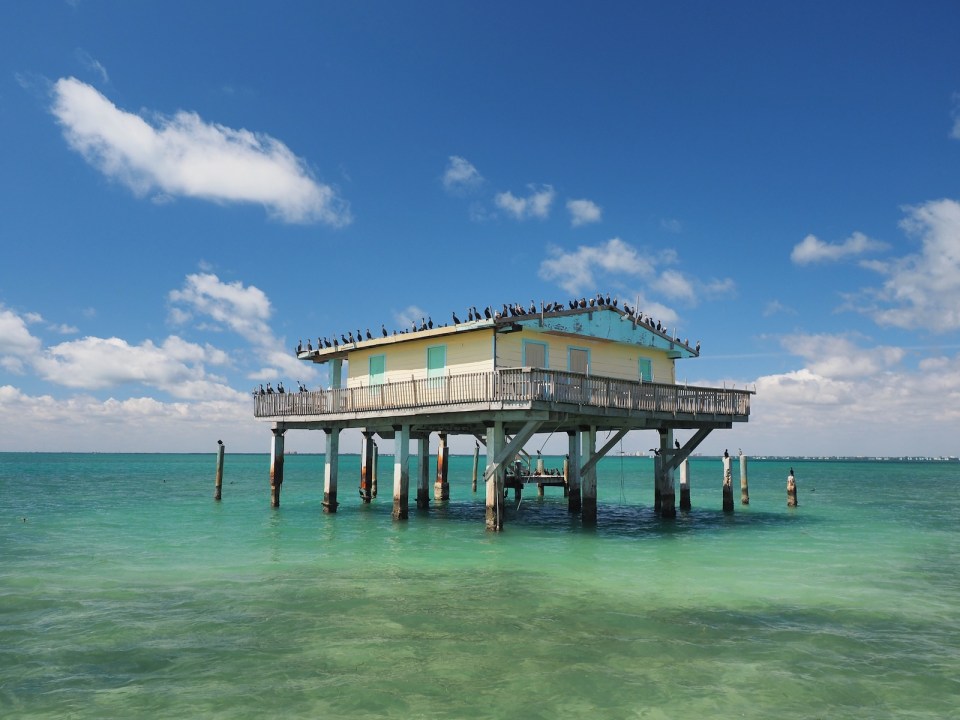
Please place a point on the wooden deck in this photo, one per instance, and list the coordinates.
(521, 389)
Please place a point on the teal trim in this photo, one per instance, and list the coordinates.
(378, 367)
(436, 361)
(646, 369)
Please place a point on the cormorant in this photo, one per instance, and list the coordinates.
(456, 320)
(487, 313)
(369, 336)
(470, 314)
(383, 330)
(429, 322)
(350, 336)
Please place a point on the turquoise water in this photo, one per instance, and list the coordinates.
(126, 591)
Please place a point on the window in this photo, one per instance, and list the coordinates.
(534, 354)
(436, 361)
(378, 365)
(646, 369)
(578, 360)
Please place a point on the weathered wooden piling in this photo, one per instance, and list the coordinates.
(376, 464)
(685, 485)
(791, 490)
(494, 475)
(566, 476)
(423, 472)
(573, 472)
(276, 466)
(668, 498)
(331, 466)
(441, 489)
(218, 483)
(401, 472)
(744, 489)
(588, 486)
(476, 466)
(366, 468)
(727, 483)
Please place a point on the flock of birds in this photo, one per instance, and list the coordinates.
(507, 310)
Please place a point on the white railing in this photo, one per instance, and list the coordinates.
(520, 386)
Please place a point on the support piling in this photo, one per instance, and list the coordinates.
(366, 468)
(423, 473)
(589, 481)
(218, 483)
(476, 466)
(791, 490)
(727, 483)
(331, 467)
(573, 472)
(401, 473)
(276, 466)
(744, 489)
(441, 489)
(685, 485)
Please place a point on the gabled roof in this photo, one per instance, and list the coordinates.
(604, 323)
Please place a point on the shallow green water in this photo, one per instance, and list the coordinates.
(126, 591)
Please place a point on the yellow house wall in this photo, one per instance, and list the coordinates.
(467, 352)
(606, 359)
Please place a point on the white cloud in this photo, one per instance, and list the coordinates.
(838, 357)
(185, 156)
(923, 290)
(83, 423)
(813, 250)
(94, 363)
(461, 176)
(535, 205)
(244, 310)
(15, 339)
(583, 212)
(589, 267)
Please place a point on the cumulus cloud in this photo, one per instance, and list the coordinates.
(922, 290)
(242, 309)
(184, 156)
(813, 250)
(592, 266)
(839, 357)
(461, 176)
(95, 363)
(16, 341)
(583, 212)
(535, 205)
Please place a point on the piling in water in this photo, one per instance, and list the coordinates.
(791, 490)
(744, 490)
(685, 485)
(441, 489)
(727, 483)
(218, 487)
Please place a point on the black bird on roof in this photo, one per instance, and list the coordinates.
(335, 343)
(309, 345)
(533, 307)
(327, 343)
(350, 336)
(343, 338)
(583, 302)
(486, 312)
(608, 299)
(593, 302)
(456, 320)
(299, 346)
(423, 324)
(369, 336)
(383, 330)
(470, 314)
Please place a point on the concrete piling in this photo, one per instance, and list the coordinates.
(276, 466)
(573, 472)
(441, 489)
(366, 468)
(423, 473)
(588, 486)
(791, 490)
(744, 489)
(494, 475)
(401, 473)
(476, 466)
(331, 467)
(664, 480)
(218, 486)
(727, 483)
(685, 485)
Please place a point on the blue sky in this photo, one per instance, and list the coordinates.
(189, 188)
